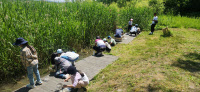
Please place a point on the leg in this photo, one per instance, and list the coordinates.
(37, 73)
(59, 75)
(30, 75)
(152, 27)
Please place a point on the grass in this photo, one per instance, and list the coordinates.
(154, 63)
(178, 22)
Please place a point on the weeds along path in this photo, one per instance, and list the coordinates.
(153, 63)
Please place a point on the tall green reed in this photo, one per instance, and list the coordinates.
(47, 27)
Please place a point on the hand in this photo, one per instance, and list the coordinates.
(66, 80)
(64, 86)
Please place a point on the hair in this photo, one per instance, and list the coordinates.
(98, 37)
(26, 44)
(154, 13)
(81, 73)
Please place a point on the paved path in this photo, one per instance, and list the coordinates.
(91, 66)
(127, 38)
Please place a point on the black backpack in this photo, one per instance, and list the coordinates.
(52, 58)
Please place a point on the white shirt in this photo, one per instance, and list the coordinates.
(133, 29)
(155, 18)
(108, 45)
(85, 78)
(100, 42)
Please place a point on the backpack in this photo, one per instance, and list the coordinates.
(52, 58)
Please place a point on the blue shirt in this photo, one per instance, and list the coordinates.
(119, 32)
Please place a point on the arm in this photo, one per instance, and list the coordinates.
(66, 80)
(34, 55)
(71, 86)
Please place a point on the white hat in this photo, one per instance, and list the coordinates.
(104, 39)
(131, 19)
(59, 51)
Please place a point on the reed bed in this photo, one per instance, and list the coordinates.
(49, 26)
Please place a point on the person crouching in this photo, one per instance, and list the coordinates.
(99, 47)
(79, 79)
(108, 47)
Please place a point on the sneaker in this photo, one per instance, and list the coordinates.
(39, 83)
(30, 86)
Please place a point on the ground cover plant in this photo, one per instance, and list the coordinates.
(154, 63)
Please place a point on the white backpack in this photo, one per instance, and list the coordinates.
(71, 55)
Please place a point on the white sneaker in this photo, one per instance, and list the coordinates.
(30, 86)
(39, 83)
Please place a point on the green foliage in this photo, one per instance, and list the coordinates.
(120, 3)
(178, 22)
(157, 6)
(182, 7)
(49, 26)
(141, 16)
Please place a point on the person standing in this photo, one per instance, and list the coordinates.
(130, 24)
(29, 59)
(154, 22)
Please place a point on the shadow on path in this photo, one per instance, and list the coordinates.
(23, 89)
(191, 63)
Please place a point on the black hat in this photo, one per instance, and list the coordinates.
(69, 70)
(97, 37)
(20, 41)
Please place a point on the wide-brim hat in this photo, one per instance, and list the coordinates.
(20, 41)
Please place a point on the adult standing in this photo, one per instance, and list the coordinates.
(130, 24)
(29, 59)
(154, 22)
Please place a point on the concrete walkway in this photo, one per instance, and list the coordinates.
(91, 66)
(127, 38)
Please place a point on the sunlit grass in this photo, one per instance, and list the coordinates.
(154, 63)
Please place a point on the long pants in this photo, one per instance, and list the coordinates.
(98, 49)
(152, 27)
(129, 27)
(60, 75)
(34, 69)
